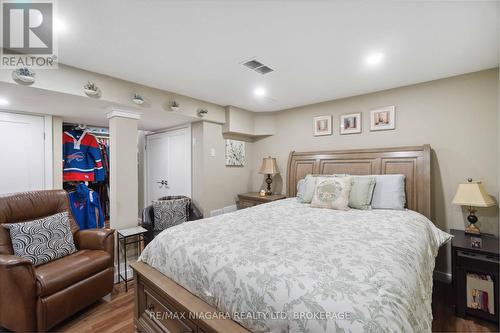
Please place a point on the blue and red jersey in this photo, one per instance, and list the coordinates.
(81, 157)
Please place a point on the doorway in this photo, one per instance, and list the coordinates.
(23, 144)
(168, 167)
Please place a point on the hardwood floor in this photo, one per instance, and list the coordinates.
(116, 315)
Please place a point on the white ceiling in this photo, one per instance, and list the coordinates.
(317, 48)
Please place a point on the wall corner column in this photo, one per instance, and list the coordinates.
(124, 184)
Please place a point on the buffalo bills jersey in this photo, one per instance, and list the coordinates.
(81, 157)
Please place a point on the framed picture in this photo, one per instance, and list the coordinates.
(322, 125)
(382, 119)
(350, 123)
(235, 153)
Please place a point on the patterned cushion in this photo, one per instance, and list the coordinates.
(332, 192)
(168, 213)
(42, 240)
(310, 186)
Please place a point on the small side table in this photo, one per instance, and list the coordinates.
(124, 236)
(253, 199)
(482, 263)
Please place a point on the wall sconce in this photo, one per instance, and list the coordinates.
(137, 99)
(91, 89)
(174, 106)
(24, 74)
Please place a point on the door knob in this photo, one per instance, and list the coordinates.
(163, 183)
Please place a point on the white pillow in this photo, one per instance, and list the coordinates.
(389, 192)
(301, 188)
(332, 192)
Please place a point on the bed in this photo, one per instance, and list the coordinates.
(287, 267)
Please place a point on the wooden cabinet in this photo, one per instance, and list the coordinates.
(253, 199)
(469, 263)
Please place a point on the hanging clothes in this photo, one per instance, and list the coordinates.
(81, 157)
(86, 207)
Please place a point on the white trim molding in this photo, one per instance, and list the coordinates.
(49, 169)
(122, 112)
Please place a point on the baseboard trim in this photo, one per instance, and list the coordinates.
(442, 276)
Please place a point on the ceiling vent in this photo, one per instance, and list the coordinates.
(258, 66)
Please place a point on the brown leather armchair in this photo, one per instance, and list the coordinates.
(37, 298)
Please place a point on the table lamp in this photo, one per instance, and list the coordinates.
(269, 167)
(472, 194)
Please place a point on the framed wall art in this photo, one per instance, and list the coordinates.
(350, 123)
(322, 125)
(235, 153)
(383, 119)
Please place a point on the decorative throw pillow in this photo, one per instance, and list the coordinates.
(361, 192)
(389, 192)
(168, 213)
(42, 240)
(332, 192)
(301, 188)
(310, 186)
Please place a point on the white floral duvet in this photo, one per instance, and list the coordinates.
(287, 267)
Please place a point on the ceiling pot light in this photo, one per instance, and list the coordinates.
(60, 26)
(374, 59)
(260, 92)
(4, 101)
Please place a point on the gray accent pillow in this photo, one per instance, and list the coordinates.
(168, 213)
(389, 192)
(301, 188)
(42, 240)
(362, 192)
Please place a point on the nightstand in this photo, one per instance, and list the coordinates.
(475, 276)
(253, 199)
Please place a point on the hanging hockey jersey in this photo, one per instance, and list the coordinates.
(86, 208)
(81, 157)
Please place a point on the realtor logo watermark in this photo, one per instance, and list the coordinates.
(28, 38)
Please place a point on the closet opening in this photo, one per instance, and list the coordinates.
(86, 173)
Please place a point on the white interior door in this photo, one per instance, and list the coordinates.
(22, 145)
(168, 164)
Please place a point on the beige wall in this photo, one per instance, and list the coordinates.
(214, 184)
(457, 116)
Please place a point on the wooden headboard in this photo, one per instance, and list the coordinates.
(413, 162)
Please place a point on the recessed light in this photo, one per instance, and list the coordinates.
(374, 59)
(259, 92)
(4, 101)
(60, 26)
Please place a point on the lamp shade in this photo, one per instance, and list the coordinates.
(269, 166)
(473, 194)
